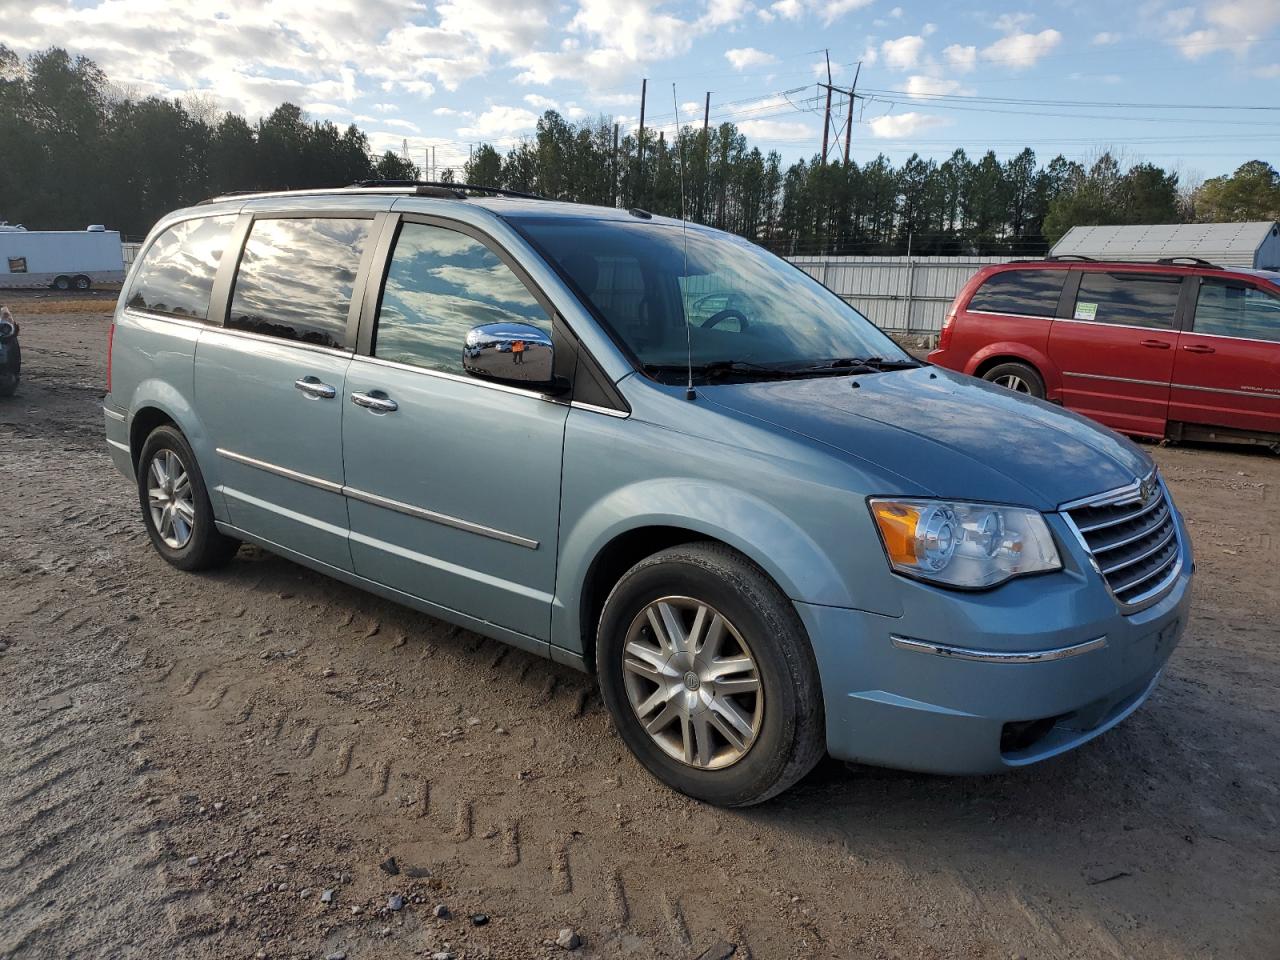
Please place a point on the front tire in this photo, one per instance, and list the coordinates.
(175, 504)
(9, 384)
(709, 676)
(83, 283)
(62, 283)
(1018, 377)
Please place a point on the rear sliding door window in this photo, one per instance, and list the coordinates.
(1031, 293)
(176, 275)
(1128, 299)
(296, 277)
(1237, 310)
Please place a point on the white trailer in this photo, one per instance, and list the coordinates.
(62, 259)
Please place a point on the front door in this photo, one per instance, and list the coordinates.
(270, 385)
(1116, 348)
(453, 484)
(1227, 372)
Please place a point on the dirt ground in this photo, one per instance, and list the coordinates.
(191, 763)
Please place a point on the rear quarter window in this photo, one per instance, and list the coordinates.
(175, 276)
(1030, 293)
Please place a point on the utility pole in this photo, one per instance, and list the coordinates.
(434, 168)
(826, 117)
(706, 113)
(853, 99)
(635, 191)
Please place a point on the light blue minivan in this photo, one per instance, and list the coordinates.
(652, 451)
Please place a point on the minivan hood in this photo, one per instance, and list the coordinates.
(955, 436)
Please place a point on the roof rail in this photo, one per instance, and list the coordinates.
(1197, 261)
(454, 189)
(1071, 256)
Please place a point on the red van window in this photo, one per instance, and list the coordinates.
(1237, 310)
(1032, 293)
(1128, 299)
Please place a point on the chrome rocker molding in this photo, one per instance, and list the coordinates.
(997, 656)
(378, 501)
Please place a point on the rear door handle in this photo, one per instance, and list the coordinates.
(374, 402)
(1199, 348)
(314, 389)
(1156, 344)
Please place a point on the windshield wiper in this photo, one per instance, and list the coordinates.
(717, 369)
(864, 364)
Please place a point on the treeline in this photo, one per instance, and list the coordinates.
(75, 150)
(959, 206)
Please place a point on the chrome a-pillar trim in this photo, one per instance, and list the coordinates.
(997, 656)
(378, 501)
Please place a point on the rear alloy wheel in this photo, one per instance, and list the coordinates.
(708, 674)
(175, 504)
(1018, 377)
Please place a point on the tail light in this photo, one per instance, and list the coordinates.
(948, 325)
(111, 336)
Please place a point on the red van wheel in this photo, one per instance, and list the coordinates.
(1018, 377)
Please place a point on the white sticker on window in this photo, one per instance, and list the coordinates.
(1086, 311)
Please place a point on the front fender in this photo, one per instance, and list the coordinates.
(745, 522)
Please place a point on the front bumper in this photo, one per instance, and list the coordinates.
(902, 705)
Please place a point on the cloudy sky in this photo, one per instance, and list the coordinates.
(1153, 78)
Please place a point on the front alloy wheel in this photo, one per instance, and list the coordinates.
(707, 671)
(692, 681)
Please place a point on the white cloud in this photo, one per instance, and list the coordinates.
(575, 112)
(922, 86)
(386, 108)
(962, 59)
(896, 13)
(1022, 50)
(1231, 25)
(743, 57)
(929, 29)
(903, 124)
(499, 122)
(723, 12)
(833, 10)
(326, 110)
(402, 125)
(539, 102)
(790, 130)
(788, 9)
(903, 53)
(1013, 22)
(1105, 39)
(633, 27)
(494, 25)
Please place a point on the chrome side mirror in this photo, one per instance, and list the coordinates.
(516, 353)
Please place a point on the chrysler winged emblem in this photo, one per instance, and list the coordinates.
(1147, 490)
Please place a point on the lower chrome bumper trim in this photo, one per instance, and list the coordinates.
(997, 656)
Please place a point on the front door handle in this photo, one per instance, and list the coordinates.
(1199, 348)
(376, 402)
(1156, 344)
(314, 389)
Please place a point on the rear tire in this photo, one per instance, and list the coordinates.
(9, 384)
(62, 283)
(175, 504)
(743, 719)
(1018, 377)
(83, 283)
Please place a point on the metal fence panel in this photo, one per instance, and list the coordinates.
(907, 294)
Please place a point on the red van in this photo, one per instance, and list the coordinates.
(1178, 348)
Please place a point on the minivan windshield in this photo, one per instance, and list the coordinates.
(728, 306)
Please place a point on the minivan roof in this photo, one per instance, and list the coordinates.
(431, 195)
(1177, 265)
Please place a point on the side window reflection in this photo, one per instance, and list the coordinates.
(296, 277)
(176, 275)
(440, 284)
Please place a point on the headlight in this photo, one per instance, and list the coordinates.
(963, 544)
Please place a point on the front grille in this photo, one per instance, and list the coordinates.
(1133, 540)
